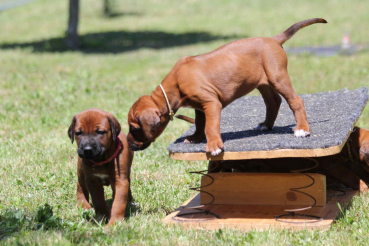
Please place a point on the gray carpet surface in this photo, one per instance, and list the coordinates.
(331, 116)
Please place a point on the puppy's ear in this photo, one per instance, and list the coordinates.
(134, 125)
(155, 124)
(114, 126)
(148, 122)
(71, 129)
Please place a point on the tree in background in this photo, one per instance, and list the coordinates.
(72, 41)
(107, 7)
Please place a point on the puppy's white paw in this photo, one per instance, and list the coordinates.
(216, 152)
(261, 127)
(301, 133)
(186, 141)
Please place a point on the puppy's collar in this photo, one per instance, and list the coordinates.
(111, 157)
(166, 99)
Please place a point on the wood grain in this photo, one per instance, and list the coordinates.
(263, 189)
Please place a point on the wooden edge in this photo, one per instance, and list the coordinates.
(264, 154)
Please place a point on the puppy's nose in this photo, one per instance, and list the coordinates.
(132, 146)
(87, 151)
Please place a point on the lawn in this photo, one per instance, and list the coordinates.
(43, 85)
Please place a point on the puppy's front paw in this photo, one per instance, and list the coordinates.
(214, 147)
(216, 152)
(101, 218)
(261, 127)
(133, 203)
(84, 204)
(299, 133)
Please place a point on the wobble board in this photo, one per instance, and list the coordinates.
(263, 189)
(249, 217)
(331, 116)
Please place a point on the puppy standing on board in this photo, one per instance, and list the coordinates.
(211, 81)
(104, 159)
(348, 166)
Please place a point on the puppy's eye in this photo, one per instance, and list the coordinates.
(79, 133)
(100, 132)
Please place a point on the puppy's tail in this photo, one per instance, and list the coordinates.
(185, 118)
(286, 35)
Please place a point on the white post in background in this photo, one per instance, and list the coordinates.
(346, 41)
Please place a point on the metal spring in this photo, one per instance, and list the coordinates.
(292, 212)
(179, 217)
(343, 193)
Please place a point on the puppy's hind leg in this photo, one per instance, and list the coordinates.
(199, 134)
(283, 85)
(272, 102)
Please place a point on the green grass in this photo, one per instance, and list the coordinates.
(42, 85)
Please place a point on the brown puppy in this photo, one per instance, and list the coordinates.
(104, 159)
(349, 166)
(210, 82)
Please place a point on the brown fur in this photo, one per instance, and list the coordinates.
(115, 173)
(211, 81)
(284, 36)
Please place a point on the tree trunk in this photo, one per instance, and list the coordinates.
(72, 34)
(107, 8)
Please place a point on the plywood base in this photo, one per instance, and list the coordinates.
(248, 217)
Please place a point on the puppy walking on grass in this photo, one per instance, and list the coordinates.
(211, 81)
(104, 159)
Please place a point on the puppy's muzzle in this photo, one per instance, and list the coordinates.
(88, 152)
(136, 147)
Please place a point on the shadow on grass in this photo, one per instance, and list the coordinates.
(14, 221)
(119, 41)
(11, 222)
(120, 14)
